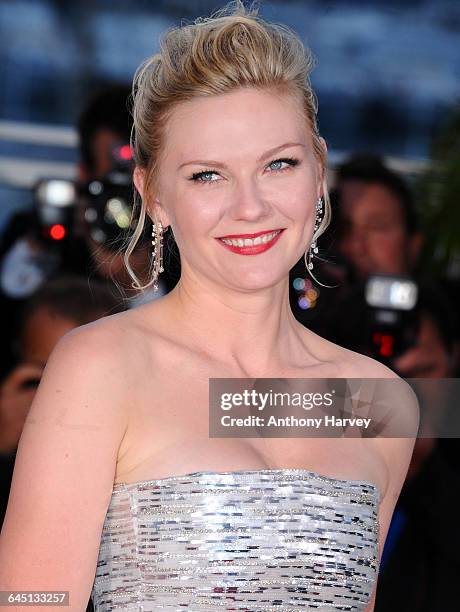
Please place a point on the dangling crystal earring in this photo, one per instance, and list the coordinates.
(157, 253)
(313, 250)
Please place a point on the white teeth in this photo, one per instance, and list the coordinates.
(239, 242)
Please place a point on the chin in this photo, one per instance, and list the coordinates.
(255, 282)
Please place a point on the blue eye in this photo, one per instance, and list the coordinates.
(205, 176)
(199, 177)
(291, 161)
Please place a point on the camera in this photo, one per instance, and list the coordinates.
(108, 202)
(393, 316)
(53, 214)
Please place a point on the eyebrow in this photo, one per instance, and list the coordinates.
(217, 164)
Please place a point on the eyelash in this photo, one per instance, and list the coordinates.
(292, 161)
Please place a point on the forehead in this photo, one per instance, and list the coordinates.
(361, 200)
(246, 121)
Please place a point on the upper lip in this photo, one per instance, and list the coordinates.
(252, 235)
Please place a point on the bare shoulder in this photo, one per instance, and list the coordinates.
(393, 408)
(65, 464)
(106, 333)
(351, 364)
(98, 353)
(151, 334)
(340, 362)
(395, 403)
(395, 397)
(129, 346)
(111, 342)
(86, 382)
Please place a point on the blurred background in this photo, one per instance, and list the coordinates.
(388, 72)
(388, 85)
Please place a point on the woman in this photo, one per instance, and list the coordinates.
(116, 474)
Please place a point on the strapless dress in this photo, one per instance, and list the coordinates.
(265, 539)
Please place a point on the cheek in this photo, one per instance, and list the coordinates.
(302, 203)
(195, 213)
(388, 245)
(199, 209)
(295, 199)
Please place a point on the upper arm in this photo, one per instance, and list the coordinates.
(65, 468)
(398, 453)
(399, 405)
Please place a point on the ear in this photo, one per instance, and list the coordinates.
(323, 168)
(139, 178)
(154, 210)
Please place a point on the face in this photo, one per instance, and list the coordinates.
(238, 182)
(374, 238)
(101, 146)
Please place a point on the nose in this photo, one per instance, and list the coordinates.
(248, 202)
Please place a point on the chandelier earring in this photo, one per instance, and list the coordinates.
(313, 250)
(157, 252)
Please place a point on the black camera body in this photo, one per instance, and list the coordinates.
(109, 202)
(53, 217)
(393, 317)
(107, 205)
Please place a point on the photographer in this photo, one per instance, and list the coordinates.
(377, 230)
(106, 194)
(419, 566)
(29, 255)
(374, 230)
(378, 235)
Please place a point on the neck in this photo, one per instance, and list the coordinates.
(254, 332)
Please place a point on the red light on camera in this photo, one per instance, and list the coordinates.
(385, 344)
(57, 231)
(126, 153)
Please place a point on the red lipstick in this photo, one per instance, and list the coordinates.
(243, 236)
(250, 249)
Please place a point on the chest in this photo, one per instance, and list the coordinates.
(168, 433)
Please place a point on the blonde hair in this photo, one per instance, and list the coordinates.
(231, 49)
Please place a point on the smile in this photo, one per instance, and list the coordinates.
(251, 246)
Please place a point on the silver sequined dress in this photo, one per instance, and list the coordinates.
(265, 539)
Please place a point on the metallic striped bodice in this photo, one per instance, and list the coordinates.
(266, 539)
